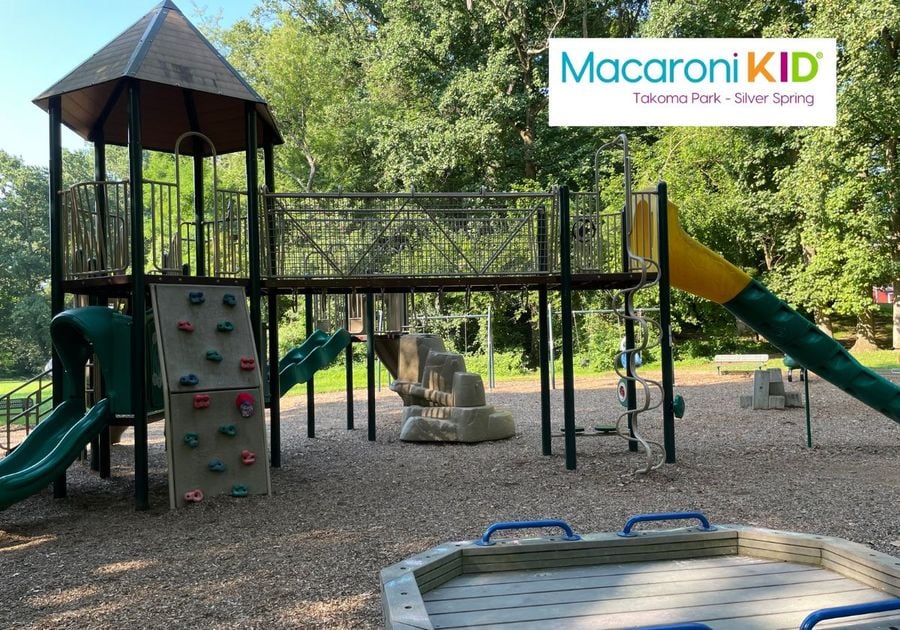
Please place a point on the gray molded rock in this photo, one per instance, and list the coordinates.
(456, 424)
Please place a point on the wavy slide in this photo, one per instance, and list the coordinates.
(49, 450)
(697, 269)
(302, 362)
(55, 443)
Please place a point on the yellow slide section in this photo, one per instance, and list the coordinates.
(699, 270)
(692, 267)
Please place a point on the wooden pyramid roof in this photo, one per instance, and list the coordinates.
(186, 85)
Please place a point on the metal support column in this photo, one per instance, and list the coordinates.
(253, 230)
(348, 365)
(370, 362)
(628, 306)
(544, 354)
(199, 237)
(56, 273)
(138, 299)
(665, 323)
(565, 253)
(310, 385)
(272, 310)
(98, 386)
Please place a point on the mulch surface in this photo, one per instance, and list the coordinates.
(344, 507)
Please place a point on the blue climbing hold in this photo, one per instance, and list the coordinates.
(224, 326)
(192, 440)
(216, 465)
(229, 300)
(197, 297)
(228, 429)
(189, 379)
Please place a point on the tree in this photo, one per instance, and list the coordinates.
(25, 266)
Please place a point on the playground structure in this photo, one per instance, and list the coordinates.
(729, 576)
(283, 243)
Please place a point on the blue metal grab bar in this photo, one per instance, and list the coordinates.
(664, 516)
(485, 540)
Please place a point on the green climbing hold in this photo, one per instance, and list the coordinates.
(224, 326)
(213, 355)
(228, 429)
(239, 490)
(192, 440)
(678, 406)
(229, 300)
(216, 465)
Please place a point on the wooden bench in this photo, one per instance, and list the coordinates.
(759, 360)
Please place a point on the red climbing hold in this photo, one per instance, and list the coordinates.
(248, 458)
(193, 496)
(248, 363)
(201, 401)
(185, 325)
(245, 403)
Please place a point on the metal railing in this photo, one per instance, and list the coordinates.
(344, 235)
(96, 225)
(22, 408)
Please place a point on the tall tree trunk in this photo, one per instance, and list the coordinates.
(823, 321)
(896, 317)
(865, 332)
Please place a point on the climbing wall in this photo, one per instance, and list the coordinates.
(215, 418)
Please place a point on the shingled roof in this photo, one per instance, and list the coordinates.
(186, 85)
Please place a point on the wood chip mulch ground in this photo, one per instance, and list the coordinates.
(343, 507)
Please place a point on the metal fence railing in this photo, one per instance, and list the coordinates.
(22, 408)
(348, 235)
(343, 235)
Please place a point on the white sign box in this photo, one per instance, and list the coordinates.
(693, 82)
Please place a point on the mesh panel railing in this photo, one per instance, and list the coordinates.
(343, 235)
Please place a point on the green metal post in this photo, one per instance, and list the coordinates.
(665, 322)
(630, 389)
(272, 309)
(138, 301)
(348, 365)
(253, 230)
(370, 362)
(544, 354)
(56, 250)
(565, 253)
(310, 386)
(804, 374)
(199, 237)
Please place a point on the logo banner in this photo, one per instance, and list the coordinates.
(693, 82)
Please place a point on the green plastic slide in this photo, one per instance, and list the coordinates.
(302, 362)
(810, 347)
(49, 450)
(54, 444)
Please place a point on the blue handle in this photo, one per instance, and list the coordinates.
(664, 516)
(848, 611)
(485, 540)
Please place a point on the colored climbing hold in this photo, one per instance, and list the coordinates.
(216, 465)
(185, 325)
(245, 404)
(228, 429)
(197, 297)
(201, 401)
(224, 326)
(239, 490)
(248, 363)
(213, 355)
(193, 496)
(189, 379)
(248, 458)
(229, 300)
(192, 440)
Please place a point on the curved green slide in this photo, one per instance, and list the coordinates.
(316, 352)
(55, 443)
(697, 269)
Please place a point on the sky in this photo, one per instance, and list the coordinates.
(43, 40)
